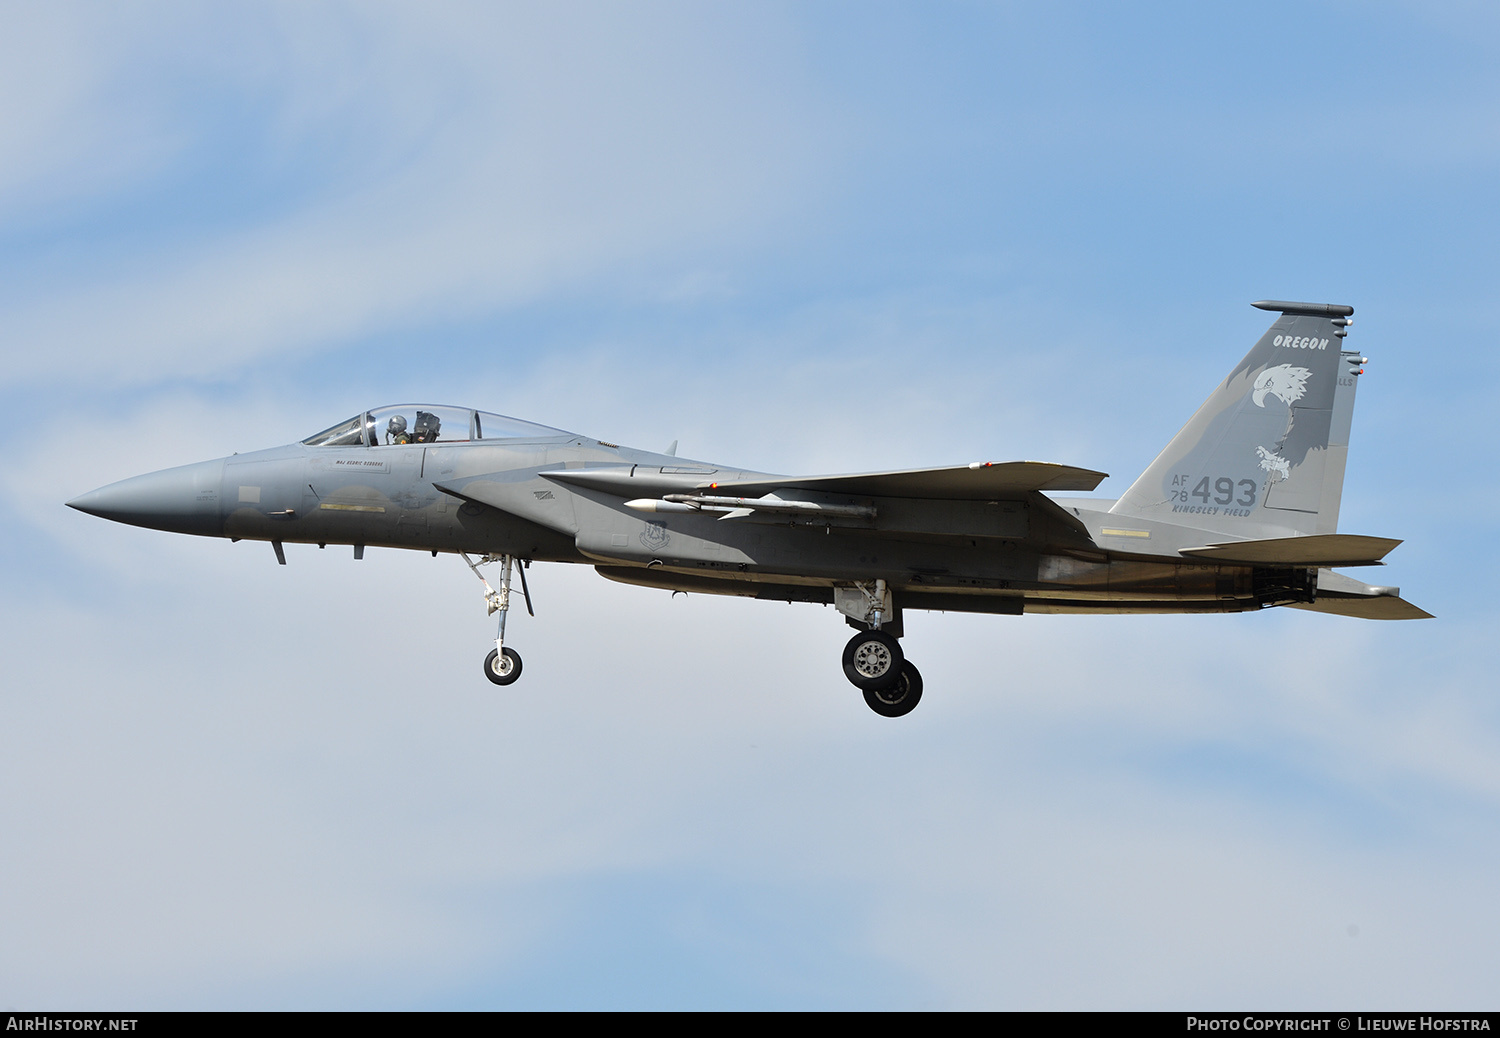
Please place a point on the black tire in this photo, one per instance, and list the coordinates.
(503, 672)
(872, 660)
(901, 698)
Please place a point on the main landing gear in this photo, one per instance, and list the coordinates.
(502, 665)
(873, 660)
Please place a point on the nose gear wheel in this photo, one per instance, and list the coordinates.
(502, 666)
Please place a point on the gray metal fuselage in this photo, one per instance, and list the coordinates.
(1238, 512)
(994, 556)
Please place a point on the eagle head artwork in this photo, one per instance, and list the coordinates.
(1284, 381)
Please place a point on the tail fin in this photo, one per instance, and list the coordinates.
(1265, 453)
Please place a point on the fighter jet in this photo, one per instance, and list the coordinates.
(1239, 512)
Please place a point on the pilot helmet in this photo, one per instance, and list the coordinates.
(395, 429)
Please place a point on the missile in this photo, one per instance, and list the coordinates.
(649, 504)
(736, 507)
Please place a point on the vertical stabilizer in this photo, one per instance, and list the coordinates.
(1265, 453)
(1350, 367)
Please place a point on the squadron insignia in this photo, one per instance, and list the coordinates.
(655, 536)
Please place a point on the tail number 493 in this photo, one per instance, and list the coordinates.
(1221, 492)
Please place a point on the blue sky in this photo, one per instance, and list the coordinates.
(804, 237)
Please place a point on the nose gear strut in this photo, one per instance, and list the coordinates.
(502, 665)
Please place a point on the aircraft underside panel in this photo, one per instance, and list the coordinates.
(1136, 588)
(1008, 604)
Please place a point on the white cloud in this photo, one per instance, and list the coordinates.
(64, 131)
(446, 162)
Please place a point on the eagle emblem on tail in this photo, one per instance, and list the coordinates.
(1285, 382)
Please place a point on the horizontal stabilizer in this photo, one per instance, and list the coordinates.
(1378, 607)
(1324, 549)
(1342, 595)
(980, 481)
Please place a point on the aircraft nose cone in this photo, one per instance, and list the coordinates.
(181, 500)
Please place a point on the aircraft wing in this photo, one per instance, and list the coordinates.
(737, 495)
(979, 481)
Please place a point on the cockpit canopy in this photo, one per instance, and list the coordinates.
(427, 423)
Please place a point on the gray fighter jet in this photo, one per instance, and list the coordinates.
(1239, 512)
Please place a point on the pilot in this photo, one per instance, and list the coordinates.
(395, 430)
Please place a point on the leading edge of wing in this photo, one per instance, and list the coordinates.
(980, 481)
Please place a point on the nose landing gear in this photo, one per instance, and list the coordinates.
(502, 665)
